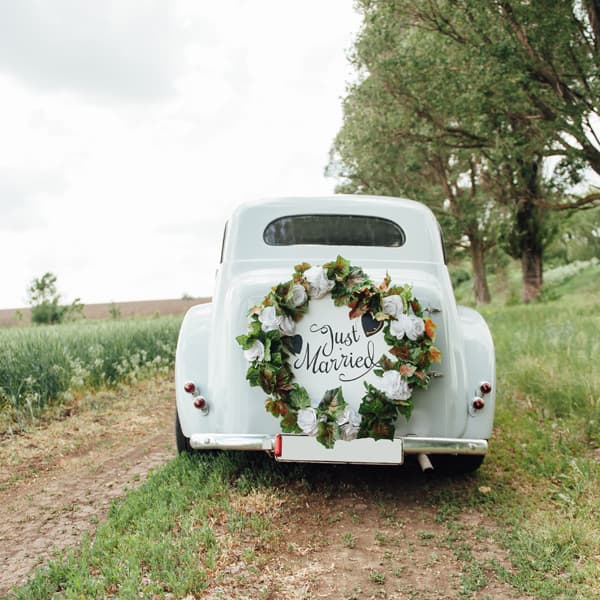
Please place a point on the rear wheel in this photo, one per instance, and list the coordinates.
(457, 464)
(183, 442)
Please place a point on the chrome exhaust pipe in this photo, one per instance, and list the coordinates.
(424, 462)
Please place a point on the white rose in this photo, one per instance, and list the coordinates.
(393, 305)
(400, 326)
(319, 284)
(255, 352)
(307, 420)
(299, 296)
(269, 319)
(394, 387)
(416, 328)
(349, 423)
(287, 325)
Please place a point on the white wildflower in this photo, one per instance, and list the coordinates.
(255, 352)
(410, 326)
(393, 305)
(349, 423)
(269, 319)
(287, 326)
(307, 420)
(319, 284)
(416, 329)
(394, 387)
(299, 296)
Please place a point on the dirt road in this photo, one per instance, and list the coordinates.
(57, 482)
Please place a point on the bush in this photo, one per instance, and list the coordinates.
(459, 275)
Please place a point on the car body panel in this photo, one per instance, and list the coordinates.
(209, 356)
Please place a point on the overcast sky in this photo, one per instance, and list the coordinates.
(130, 130)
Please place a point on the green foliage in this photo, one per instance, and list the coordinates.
(114, 311)
(577, 237)
(331, 419)
(40, 366)
(578, 278)
(547, 438)
(44, 300)
(459, 275)
(460, 104)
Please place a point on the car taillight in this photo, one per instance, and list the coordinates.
(485, 387)
(189, 387)
(478, 403)
(200, 402)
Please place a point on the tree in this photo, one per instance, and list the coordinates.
(544, 56)
(485, 93)
(44, 300)
(384, 151)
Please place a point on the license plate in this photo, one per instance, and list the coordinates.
(300, 448)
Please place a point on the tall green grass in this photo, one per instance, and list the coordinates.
(546, 447)
(505, 282)
(548, 355)
(41, 366)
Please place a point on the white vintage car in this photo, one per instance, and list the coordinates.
(334, 336)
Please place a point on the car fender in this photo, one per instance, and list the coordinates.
(480, 367)
(191, 364)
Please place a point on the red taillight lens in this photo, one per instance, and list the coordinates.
(189, 387)
(485, 387)
(277, 445)
(200, 402)
(478, 403)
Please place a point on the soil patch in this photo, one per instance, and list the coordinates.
(58, 481)
(338, 531)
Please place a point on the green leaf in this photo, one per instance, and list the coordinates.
(267, 344)
(299, 397)
(253, 376)
(244, 341)
(326, 434)
(333, 403)
(289, 423)
(255, 330)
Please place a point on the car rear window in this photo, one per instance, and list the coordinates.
(334, 230)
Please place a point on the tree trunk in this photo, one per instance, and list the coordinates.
(531, 268)
(480, 286)
(529, 230)
(529, 227)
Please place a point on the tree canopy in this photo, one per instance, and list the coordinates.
(488, 112)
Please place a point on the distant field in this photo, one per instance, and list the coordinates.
(142, 308)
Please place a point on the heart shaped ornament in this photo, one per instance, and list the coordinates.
(370, 325)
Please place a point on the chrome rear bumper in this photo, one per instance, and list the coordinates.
(411, 444)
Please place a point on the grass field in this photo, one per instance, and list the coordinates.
(540, 485)
(42, 367)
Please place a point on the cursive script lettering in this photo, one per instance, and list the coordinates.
(323, 357)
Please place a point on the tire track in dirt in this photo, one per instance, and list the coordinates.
(111, 447)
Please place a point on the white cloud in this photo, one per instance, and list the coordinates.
(125, 50)
(21, 195)
(129, 183)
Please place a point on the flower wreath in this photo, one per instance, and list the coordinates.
(269, 344)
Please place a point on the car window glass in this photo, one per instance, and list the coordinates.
(334, 230)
